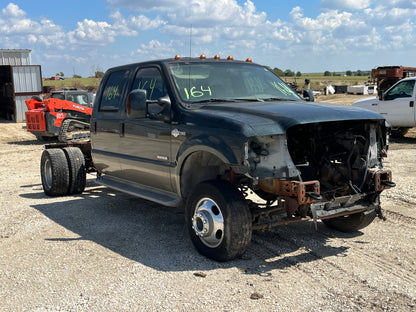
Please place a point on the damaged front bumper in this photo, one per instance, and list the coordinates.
(302, 201)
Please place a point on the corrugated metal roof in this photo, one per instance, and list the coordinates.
(15, 57)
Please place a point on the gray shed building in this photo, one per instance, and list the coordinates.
(19, 80)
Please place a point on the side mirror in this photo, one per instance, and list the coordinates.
(136, 104)
(381, 96)
(164, 112)
(308, 95)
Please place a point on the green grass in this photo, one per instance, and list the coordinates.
(319, 81)
(90, 84)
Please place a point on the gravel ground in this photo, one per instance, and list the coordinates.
(107, 251)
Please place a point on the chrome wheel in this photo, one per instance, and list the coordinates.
(208, 222)
(47, 173)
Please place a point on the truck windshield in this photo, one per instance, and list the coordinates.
(199, 82)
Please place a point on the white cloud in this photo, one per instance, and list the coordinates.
(13, 11)
(161, 28)
(157, 49)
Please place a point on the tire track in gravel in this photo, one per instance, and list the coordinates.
(400, 219)
(368, 257)
(330, 267)
(314, 267)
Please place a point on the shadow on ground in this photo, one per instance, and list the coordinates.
(156, 236)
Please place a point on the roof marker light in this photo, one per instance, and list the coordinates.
(217, 57)
(203, 57)
(249, 60)
(230, 58)
(177, 57)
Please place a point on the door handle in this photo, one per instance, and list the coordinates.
(411, 103)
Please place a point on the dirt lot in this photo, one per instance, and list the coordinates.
(106, 251)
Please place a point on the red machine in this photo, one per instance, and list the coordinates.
(55, 118)
(386, 76)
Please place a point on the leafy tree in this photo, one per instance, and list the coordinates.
(348, 73)
(359, 73)
(327, 73)
(289, 73)
(76, 76)
(278, 71)
(298, 74)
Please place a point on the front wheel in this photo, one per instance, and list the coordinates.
(399, 132)
(218, 220)
(352, 222)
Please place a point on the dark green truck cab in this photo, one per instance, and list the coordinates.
(233, 144)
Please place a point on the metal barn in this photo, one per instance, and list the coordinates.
(18, 81)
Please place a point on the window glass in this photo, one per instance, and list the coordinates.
(214, 81)
(402, 90)
(111, 98)
(150, 80)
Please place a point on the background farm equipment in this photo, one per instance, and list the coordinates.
(57, 119)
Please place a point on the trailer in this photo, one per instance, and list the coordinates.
(386, 76)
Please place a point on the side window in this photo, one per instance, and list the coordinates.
(111, 98)
(402, 90)
(150, 80)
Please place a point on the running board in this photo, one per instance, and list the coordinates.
(148, 193)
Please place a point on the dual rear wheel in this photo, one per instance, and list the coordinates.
(63, 171)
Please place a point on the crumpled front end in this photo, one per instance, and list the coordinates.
(321, 170)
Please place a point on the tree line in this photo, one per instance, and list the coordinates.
(290, 73)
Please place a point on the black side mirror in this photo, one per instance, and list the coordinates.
(136, 104)
(165, 113)
(308, 95)
(381, 96)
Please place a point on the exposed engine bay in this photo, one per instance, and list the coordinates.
(337, 154)
(335, 164)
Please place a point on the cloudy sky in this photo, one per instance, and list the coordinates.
(302, 35)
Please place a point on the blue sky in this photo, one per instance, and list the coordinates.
(302, 35)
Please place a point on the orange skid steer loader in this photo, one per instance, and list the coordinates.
(57, 119)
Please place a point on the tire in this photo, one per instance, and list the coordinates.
(54, 172)
(77, 171)
(352, 222)
(218, 220)
(399, 132)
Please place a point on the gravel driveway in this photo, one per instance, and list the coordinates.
(107, 251)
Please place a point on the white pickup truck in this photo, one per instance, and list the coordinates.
(397, 105)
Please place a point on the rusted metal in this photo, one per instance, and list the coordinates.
(380, 177)
(292, 189)
(386, 76)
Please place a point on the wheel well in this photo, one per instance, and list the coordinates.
(198, 167)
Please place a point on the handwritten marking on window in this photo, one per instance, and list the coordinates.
(112, 93)
(148, 85)
(282, 88)
(195, 93)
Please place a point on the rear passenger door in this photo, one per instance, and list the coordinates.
(145, 141)
(106, 123)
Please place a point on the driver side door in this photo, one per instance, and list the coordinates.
(145, 141)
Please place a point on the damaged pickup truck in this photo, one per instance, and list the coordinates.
(209, 134)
